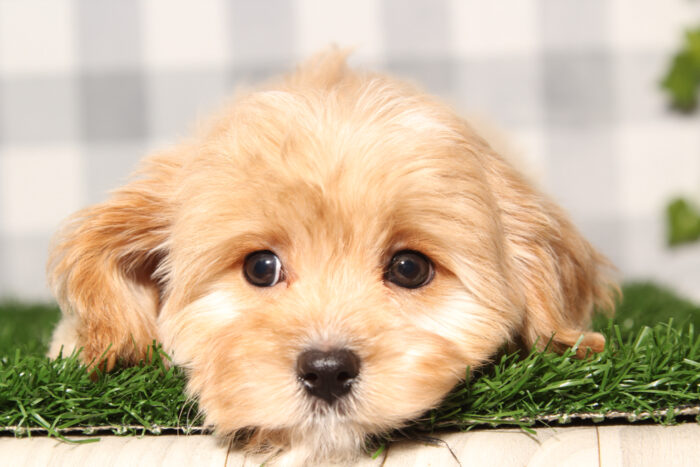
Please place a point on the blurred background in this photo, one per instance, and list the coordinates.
(87, 87)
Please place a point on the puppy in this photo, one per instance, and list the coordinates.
(325, 260)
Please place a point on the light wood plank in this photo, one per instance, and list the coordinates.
(363, 460)
(621, 445)
(199, 450)
(503, 447)
(570, 446)
(650, 445)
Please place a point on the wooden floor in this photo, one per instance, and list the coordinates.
(619, 445)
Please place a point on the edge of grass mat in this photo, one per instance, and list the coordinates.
(545, 420)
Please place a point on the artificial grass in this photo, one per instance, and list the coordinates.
(644, 372)
(40, 395)
(26, 327)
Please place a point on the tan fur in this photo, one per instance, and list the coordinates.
(335, 171)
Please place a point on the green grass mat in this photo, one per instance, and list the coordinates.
(650, 369)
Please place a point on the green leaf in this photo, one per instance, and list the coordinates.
(683, 77)
(683, 222)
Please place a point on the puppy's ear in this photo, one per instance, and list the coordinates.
(102, 263)
(560, 276)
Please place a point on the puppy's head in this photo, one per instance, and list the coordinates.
(327, 259)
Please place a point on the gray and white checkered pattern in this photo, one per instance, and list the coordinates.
(87, 87)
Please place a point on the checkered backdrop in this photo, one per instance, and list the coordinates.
(87, 87)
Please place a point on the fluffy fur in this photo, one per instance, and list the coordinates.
(335, 171)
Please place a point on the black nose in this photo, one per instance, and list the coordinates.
(328, 374)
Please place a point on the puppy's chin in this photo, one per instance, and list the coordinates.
(326, 437)
(241, 361)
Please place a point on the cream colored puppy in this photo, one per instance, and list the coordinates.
(325, 261)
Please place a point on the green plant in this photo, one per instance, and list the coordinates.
(683, 222)
(682, 82)
(683, 78)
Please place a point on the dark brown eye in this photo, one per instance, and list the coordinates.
(263, 269)
(409, 269)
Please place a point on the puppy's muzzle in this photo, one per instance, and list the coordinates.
(328, 375)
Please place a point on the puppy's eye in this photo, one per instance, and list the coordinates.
(409, 269)
(263, 269)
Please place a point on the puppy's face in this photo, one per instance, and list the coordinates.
(313, 229)
(328, 259)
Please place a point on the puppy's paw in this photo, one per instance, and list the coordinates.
(585, 344)
(591, 342)
(64, 340)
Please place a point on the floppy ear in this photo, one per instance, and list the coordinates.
(560, 276)
(102, 263)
